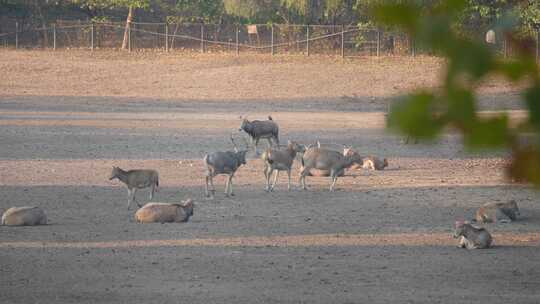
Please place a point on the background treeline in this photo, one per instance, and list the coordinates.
(478, 16)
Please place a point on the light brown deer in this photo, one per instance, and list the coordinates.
(280, 160)
(324, 159)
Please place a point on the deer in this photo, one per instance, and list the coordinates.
(471, 237)
(374, 163)
(136, 179)
(280, 160)
(24, 216)
(223, 163)
(324, 159)
(258, 129)
(156, 212)
(497, 212)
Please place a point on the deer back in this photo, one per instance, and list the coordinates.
(321, 158)
(226, 162)
(257, 128)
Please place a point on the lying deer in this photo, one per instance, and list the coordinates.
(323, 159)
(472, 237)
(165, 212)
(280, 160)
(223, 163)
(374, 163)
(498, 212)
(24, 216)
(136, 179)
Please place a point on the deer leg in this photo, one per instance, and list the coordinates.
(289, 182)
(267, 174)
(212, 185)
(256, 144)
(129, 198)
(275, 180)
(227, 186)
(333, 175)
(134, 198)
(303, 174)
(230, 185)
(269, 142)
(206, 187)
(226, 192)
(152, 191)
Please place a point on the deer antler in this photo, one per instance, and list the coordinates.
(234, 144)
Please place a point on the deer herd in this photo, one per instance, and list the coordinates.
(315, 160)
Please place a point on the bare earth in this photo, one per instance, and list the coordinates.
(383, 237)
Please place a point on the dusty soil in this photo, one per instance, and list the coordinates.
(383, 237)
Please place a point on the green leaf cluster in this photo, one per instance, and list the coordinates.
(427, 113)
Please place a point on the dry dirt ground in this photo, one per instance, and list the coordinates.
(383, 237)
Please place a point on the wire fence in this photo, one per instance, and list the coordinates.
(345, 41)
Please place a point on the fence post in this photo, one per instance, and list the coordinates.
(307, 40)
(92, 36)
(342, 41)
(166, 36)
(202, 37)
(378, 42)
(237, 42)
(54, 36)
(16, 35)
(129, 36)
(272, 39)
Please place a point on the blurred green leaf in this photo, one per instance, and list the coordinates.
(532, 97)
(403, 15)
(525, 165)
(516, 69)
(414, 116)
(461, 108)
(488, 133)
(466, 56)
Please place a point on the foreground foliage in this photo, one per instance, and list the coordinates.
(425, 113)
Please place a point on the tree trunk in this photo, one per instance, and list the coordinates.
(129, 19)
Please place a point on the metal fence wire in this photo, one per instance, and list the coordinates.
(345, 41)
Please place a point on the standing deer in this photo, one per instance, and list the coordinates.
(323, 159)
(280, 160)
(223, 163)
(258, 129)
(136, 179)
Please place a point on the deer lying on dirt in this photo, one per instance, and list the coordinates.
(280, 160)
(258, 129)
(136, 179)
(165, 212)
(498, 212)
(323, 159)
(374, 163)
(472, 237)
(24, 216)
(223, 163)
